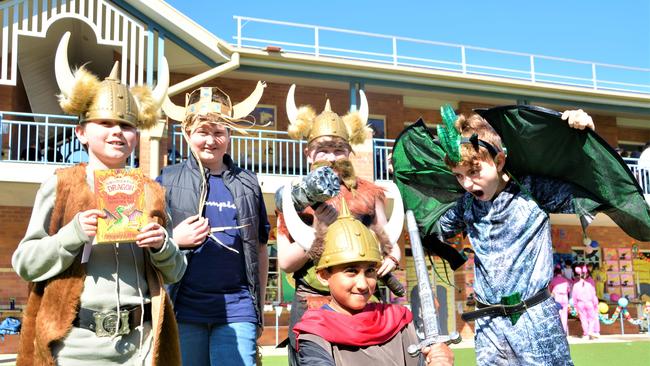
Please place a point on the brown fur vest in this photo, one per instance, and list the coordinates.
(52, 304)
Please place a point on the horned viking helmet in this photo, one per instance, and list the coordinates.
(348, 240)
(82, 93)
(212, 100)
(305, 124)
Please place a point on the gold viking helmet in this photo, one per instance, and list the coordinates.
(82, 93)
(348, 240)
(214, 101)
(305, 124)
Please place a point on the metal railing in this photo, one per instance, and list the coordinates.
(642, 174)
(42, 139)
(50, 139)
(403, 51)
(262, 151)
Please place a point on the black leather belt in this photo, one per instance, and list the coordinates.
(104, 324)
(506, 310)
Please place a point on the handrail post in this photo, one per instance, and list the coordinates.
(238, 32)
(47, 138)
(2, 132)
(316, 42)
(395, 51)
(259, 151)
(532, 68)
(463, 58)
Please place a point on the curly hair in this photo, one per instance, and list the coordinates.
(471, 155)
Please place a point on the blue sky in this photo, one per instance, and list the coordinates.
(616, 32)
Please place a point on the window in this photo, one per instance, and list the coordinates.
(273, 282)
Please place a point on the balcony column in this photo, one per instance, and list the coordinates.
(363, 157)
(151, 139)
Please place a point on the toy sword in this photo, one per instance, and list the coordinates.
(425, 293)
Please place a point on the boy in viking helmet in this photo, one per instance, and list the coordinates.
(329, 144)
(221, 222)
(349, 330)
(101, 304)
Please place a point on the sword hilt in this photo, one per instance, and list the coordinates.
(415, 349)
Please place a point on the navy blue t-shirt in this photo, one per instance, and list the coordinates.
(214, 288)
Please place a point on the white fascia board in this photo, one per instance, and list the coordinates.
(184, 28)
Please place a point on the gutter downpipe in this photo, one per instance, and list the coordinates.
(156, 133)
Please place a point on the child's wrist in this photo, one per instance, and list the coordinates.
(393, 259)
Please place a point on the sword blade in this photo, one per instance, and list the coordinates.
(425, 286)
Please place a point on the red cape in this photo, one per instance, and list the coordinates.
(376, 324)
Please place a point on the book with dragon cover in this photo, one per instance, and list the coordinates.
(120, 194)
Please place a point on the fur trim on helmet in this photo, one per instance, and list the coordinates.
(82, 94)
(384, 242)
(357, 131)
(301, 128)
(148, 111)
(318, 246)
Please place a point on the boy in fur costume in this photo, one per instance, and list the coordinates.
(348, 330)
(78, 289)
(300, 237)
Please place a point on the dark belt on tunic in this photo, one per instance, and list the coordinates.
(506, 310)
(104, 324)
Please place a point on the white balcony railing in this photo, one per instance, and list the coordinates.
(50, 139)
(384, 49)
(41, 139)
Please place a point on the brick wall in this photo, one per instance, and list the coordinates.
(14, 223)
(633, 134)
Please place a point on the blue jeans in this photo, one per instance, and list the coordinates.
(232, 344)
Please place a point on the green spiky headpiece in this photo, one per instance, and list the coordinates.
(449, 136)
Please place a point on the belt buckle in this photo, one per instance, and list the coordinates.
(106, 323)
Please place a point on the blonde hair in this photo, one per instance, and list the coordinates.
(469, 154)
(194, 121)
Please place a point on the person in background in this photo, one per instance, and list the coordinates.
(585, 301)
(560, 288)
(567, 271)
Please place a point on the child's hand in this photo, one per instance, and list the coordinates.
(88, 221)
(579, 119)
(151, 236)
(438, 355)
(191, 232)
(387, 266)
(324, 216)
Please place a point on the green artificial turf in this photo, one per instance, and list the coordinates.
(595, 354)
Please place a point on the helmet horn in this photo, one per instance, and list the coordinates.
(302, 233)
(64, 77)
(159, 93)
(395, 224)
(363, 109)
(292, 110)
(245, 107)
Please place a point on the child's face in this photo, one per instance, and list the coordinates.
(210, 142)
(484, 179)
(327, 148)
(351, 285)
(109, 143)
